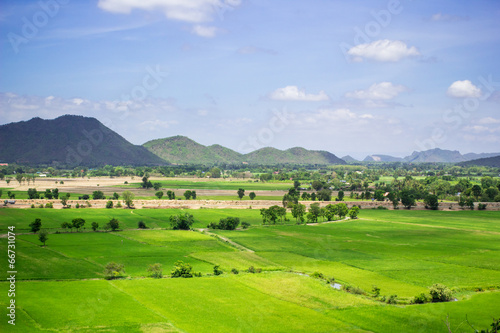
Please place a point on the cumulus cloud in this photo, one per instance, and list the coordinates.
(378, 91)
(334, 116)
(193, 11)
(463, 89)
(293, 93)
(204, 31)
(489, 120)
(382, 50)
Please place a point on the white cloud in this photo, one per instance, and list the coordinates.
(448, 18)
(383, 50)
(204, 31)
(489, 120)
(463, 89)
(333, 116)
(293, 93)
(378, 91)
(193, 11)
(154, 125)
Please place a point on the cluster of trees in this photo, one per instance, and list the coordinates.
(228, 223)
(48, 194)
(274, 213)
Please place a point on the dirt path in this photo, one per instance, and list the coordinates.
(227, 240)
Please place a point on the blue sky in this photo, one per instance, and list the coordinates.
(349, 77)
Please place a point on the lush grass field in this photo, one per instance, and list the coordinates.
(61, 287)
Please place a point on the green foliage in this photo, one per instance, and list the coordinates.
(33, 194)
(241, 193)
(342, 210)
(78, 223)
(182, 270)
(98, 195)
(157, 186)
(228, 223)
(113, 224)
(217, 270)
(187, 194)
(431, 202)
(318, 275)
(245, 224)
(159, 194)
(353, 212)
(49, 205)
(298, 211)
(181, 221)
(353, 289)
(407, 199)
(481, 206)
(324, 194)
(128, 198)
(36, 225)
(43, 236)
(155, 271)
(392, 299)
(109, 204)
(141, 225)
(95, 226)
(113, 270)
(440, 293)
(376, 291)
(234, 271)
(421, 298)
(252, 195)
(116, 196)
(171, 195)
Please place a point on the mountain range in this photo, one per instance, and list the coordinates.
(82, 141)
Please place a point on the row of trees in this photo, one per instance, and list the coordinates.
(274, 213)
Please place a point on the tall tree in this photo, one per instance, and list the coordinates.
(241, 193)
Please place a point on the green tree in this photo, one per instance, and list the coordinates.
(193, 195)
(159, 194)
(36, 225)
(48, 194)
(217, 270)
(95, 226)
(112, 270)
(19, 178)
(314, 211)
(331, 211)
(252, 195)
(340, 195)
(33, 193)
(98, 195)
(440, 293)
(116, 196)
(171, 195)
(324, 194)
(317, 185)
(342, 210)
(43, 236)
(128, 198)
(296, 184)
(155, 271)
(215, 172)
(431, 201)
(113, 224)
(241, 193)
(181, 221)
(379, 195)
(353, 212)
(78, 223)
(182, 270)
(157, 186)
(298, 211)
(228, 223)
(476, 191)
(67, 225)
(407, 199)
(187, 194)
(109, 204)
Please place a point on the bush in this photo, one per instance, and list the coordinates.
(113, 271)
(382, 208)
(245, 225)
(32, 205)
(118, 205)
(481, 206)
(228, 223)
(235, 271)
(181, 221)
(95, 226)
(376, 291)
(318, 275)
(155, 271)
(217, 270)
(141, 225)
(109, 204)
(181, 269)
(113, 224)
(440, 293)
(421, 299)
(392, 299)
(251, 269)
(49, 205)
(353, 290)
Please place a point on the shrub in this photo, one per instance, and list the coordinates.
(228, 223)
(49, 205)
(235, 271)
(181, 221)
(113, 224)
(113, 271)
(440, 293)
(421, 299)
(118, 205)
(182, 269)
(32, 205)
(353, 290)
(392, 299)
(376, 291)
(318, 275)
(217, 270)
(382, 208)
(245, 225)
(481, 206)
(95, 226)
(141, 225)
(109, 204)
(155, 271)
(251, 269)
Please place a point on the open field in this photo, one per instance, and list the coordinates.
(401, 252)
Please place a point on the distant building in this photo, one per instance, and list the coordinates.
(4, 164)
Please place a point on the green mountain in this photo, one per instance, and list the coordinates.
(435, 156)
(382, 158)
(490, 162)
(182, 150)
(71, 141)
(349, 159)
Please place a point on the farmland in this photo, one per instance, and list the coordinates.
(400, 252)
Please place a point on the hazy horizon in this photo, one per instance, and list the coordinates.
(352, 78)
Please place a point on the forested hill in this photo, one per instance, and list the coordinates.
(180, 149)
(69, 140)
